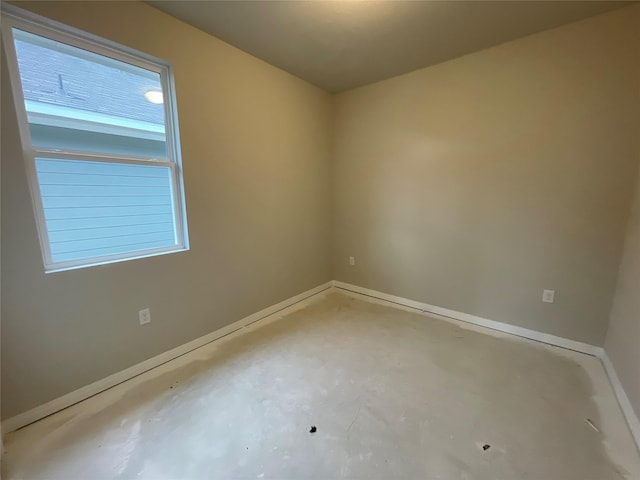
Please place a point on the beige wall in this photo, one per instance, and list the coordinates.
(477, 183)
(255, 147)
(623, 337)
(470, 185)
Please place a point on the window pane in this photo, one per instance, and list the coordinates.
(79, 100)
(95, 209)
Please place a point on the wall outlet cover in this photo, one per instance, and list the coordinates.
(548, 296)
(144, 316)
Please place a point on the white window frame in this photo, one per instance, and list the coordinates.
(13, 17)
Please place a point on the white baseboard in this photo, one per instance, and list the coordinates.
(60, 403)
(300, 301)
(625, 405)
(475, 320)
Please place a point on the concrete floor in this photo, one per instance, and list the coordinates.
(393, 393)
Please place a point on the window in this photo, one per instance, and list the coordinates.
(99, 131)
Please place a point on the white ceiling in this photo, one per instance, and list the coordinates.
(342, 44)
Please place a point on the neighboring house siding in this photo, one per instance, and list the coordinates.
(95, 209)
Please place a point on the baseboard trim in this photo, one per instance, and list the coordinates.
(623, 400)
(625, 405)
(301, 300)
(60, 403)
(475, 320)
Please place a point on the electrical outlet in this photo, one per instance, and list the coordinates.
(548, 296)
(352, 261)
(144, 316)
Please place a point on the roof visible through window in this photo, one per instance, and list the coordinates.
(58, 78)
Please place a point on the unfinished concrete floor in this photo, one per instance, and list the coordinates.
(393, 393)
